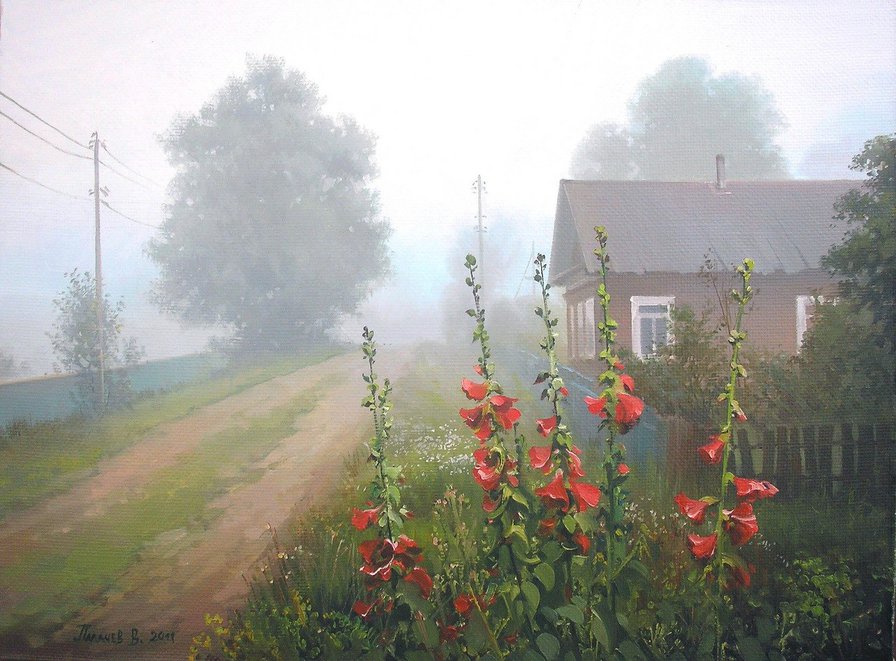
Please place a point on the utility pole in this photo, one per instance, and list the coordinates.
(478, 187)
(98, 275)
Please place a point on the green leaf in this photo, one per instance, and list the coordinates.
(532, 596)
(548, 645)
(631, 652)
(551, 552)
(572, 613)
(750, 648)
(599, 631)
(545, 574)
(549, 614)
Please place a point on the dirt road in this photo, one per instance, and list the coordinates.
(186, 573)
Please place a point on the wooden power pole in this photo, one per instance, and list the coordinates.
(478, 187)
(98, 275)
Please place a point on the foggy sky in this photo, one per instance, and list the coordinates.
(506, 89)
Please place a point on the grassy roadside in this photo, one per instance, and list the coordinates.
(43, 459)
(67, 569)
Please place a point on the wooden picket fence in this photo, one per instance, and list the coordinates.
(833, 460)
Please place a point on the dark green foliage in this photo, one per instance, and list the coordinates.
(679, 119)
(866, 260)
(272, 230)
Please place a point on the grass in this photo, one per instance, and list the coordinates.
(65, 571)
(42, 459)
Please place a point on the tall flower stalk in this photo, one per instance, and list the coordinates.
(731, 528)
(619, 411)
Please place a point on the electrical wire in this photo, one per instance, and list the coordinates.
(125, 216)
(125, 166)
(41, 119)
(35, 181)
(43, 139)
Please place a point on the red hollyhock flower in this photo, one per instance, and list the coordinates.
(575, 464)
(597, 406)
(695, 510)
(619, 366)
(546, 425)
(378, 555)
(586, 495)
(741, 524)
(475, 391)
(502, 408)
(486, 470)
(488, 504)
(740, 416)
(421, 579)
(546, 527)
(712, 451)
(740, 577)
(582, 541)
(628, 410)
(476, 420)
(555, 494)
(448, 632)
(540, 458)
(749, 490)
(627, 382)
(564, 391)
(702, 547)
(478, 369)
(623, 469)
(363, 519)
(364, 610)
(463, 603)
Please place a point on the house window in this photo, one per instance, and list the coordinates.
(805, 310)
(580, 320)
(650, 323)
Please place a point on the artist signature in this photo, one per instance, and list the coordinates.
(129, 637)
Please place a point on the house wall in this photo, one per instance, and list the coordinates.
(770, 322)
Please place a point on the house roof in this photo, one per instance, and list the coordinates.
(658, 226)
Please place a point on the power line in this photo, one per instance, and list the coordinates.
(43, 139)
(41, 119)
(122, 175)
(125, 166)
(125, 216)
(35, 181)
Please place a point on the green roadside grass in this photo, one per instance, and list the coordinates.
(68, 570)
(46, 458)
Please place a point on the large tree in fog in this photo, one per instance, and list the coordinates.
(272, 229)
(679, 119)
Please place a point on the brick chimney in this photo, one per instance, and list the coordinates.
(720, 171)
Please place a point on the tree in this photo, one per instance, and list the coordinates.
(76, 343)
(679, 119)
(866, 259)
(273, 230)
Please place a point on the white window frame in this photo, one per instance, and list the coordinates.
(580, 320)
(573, 327)
(637, 302)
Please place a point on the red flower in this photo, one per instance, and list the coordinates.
(702, 547)
(628, 410)
(363, 519)
(421, 579)
(476, 420)
(448, 632)
(488, 469)
(712, 451)
(546, 425)
(378, 555)
(502, 408)
(540, 458)
(546, 527)
(575, 464)
(749, 490)
(555, 494)
(695, 510)
(362, 609)
(597, 406)
(741, 524)
(623, 469)
(475, 391)
(488, 504)
(627, 382)
(564, 391)
(582, 541)
(463, 603)
(586, 495)
(740, 416)
(478, 369)
(740, 577)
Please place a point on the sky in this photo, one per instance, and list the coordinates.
(451, 90)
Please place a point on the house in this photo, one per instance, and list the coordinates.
(661, 233)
